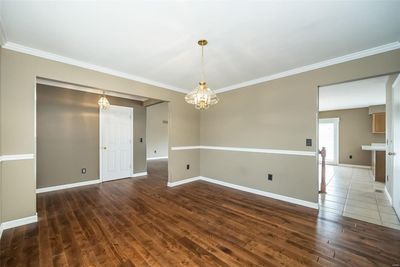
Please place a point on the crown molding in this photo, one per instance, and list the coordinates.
(319, 65)
(326, 63)
(43, 54)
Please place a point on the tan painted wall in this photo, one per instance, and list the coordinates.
(157, 130)
(68, 135)
(19, 72)
(355, 130)
(278, 114)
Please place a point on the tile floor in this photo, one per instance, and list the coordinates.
(352, 192)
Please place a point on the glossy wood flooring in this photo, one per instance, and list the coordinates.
(143, 223)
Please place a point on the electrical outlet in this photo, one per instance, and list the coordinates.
(308, 142)
(83, 170)
(269, 177)
(187, 167)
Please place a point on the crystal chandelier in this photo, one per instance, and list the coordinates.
(103, 101)
(202, 97)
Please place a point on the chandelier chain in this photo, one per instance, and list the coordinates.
(203, 76)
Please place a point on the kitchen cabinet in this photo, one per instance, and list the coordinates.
(378, 122)
(379, 165)
(378, 153)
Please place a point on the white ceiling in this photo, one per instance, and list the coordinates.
(156, 41)
(357, 94)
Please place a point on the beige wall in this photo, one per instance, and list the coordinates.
(278, 114)
(68, 135)
(355, 130)
(17, 108)
(157, 130)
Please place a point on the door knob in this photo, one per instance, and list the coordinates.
(391, 154)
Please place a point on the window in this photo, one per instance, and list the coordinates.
(329, 138)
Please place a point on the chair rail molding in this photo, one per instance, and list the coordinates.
(253, 150)
(16, 157)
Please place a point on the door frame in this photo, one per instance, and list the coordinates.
(336, 121)
(395, 198)
(101, 114)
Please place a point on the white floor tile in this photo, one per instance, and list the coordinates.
(352, 192)
(389, 218)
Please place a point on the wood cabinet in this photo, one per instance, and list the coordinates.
(379, 165)
(378, 122)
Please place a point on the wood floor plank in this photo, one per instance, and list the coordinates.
(142, 222)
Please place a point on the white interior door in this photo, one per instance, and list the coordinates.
(394, 146)
(116, 146)
(328, 132)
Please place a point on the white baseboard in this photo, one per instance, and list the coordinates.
(66, 186)
(1, 230)
(154, 158)
(184, 181)
(139, 174)
(19, 222)
(247, 189)
(388, 196)
(354, 166)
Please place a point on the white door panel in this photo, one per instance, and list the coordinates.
(394, 146)
(116, 125)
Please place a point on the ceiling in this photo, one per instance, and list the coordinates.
(156, 41)
(357, 94)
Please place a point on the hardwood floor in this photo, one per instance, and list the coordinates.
(143, 223)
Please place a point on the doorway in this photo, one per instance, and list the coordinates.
(157, 147)
(360, 182)
(329, 138)
(116, 146)
(69, 139)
